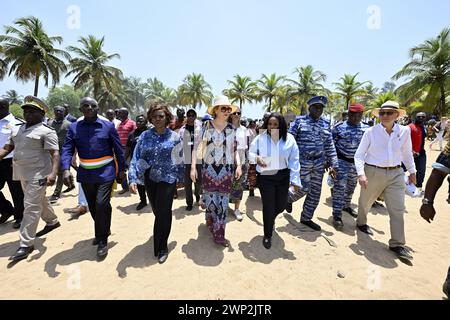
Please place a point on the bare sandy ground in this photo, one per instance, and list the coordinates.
(301, 264)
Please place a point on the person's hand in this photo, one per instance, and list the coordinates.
(51, 178)
(68, 179)
(363, 181)
(133, 188)
(412, 179)
(296, 188)
(427, 212)
(332, 172)
(261, 162)
(193, 174)
(238, 172)
(121, 176)
(415, 154)
(74, 162)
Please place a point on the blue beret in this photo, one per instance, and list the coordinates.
(318, 100)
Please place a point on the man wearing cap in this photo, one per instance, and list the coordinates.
(346, 136)
(9, 125)
(189, 133)
(101, 161)
(35, 164)
(378, 161)
(418, 134)
(317, 151)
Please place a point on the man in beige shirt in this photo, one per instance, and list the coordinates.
(35, 165)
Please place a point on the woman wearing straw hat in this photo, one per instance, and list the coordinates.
(216, 153)
(378, 161)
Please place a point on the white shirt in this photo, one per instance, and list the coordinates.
(278, 155)
(241, 137)
(8, 126)
(379, 148)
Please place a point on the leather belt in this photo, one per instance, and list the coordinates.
(385, 168)
(342, 157)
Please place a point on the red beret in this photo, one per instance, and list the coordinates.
(356, 108)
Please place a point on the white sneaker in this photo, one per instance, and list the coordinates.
(238, 215)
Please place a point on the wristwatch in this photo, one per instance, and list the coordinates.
(426, 201)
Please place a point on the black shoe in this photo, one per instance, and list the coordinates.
(141, 205)
(401, 252)
(189, 208)
(267, 242)
(162, 257)
(289, 207)
(351, 212)
(53, 199)
(446, 288)
(5, 217)
(96, 241)
(16, 224)
(251, 193)
(366, 229)
(102, 249)
(22, 253)
(68, 189)
(338, 224)
(175, 196)
(312, 225)
(197, 199)
(47, 229)
(377, 204)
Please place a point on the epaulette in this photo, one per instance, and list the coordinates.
(19, 119)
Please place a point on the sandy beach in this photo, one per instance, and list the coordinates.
(302, 264)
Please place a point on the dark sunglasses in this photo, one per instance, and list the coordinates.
(388, 113)
(236, 114)
(87, 105)
(225, 109)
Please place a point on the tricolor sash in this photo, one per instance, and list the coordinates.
(95, 163)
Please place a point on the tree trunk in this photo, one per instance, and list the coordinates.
(36, 83)
(270, 104)
(240, 105)
(442, 101)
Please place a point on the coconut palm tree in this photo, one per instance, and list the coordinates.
(134, 88)
(3, 64)
(242, 89)
(309, 83)
(378, 100)
(153, 90)
(269, 87)
(90, 66)
(13, 97)
(31, 52)
(349, 88)
(429, 66)
(195, 91)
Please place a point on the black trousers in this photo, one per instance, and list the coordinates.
(421, 165)
(98, 197)
(188, 184)
(15, 189)
(161, 199)
(274, 194)
(142, 194)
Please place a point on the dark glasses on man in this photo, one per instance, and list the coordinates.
(387, 113)
(87, 105)
(236, 114)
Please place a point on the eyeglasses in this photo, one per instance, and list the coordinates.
(387, 113)
(89, 105)
(225, 109)
(236, 114)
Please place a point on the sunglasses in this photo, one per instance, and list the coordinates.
(89, 105)
(225, 109)
(236, 114)
(387, 113)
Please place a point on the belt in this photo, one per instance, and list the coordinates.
(342, 157)
(311, 157)
(386, 168)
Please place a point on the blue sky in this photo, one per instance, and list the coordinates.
(220, 38)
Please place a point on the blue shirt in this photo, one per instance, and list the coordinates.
(161, 154)
(314, 140)
(347, 137)
(93, 140)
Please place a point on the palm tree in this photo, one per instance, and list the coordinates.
(153, 90)
(429, 66)
(378, 100)
(31, 52)
(308, 84)
(134, 88)
(349, 88)
(270, 88)
(13, 97)
(243, 89)
(3, 64)
(90, 66)
(370, 93)
(195, 91)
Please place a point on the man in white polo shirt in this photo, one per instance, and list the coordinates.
(378, 161)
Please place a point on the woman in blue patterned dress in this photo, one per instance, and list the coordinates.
(157, 164)
(217, 154)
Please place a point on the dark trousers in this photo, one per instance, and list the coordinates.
(142, 194)
(98, 197)
(421, 165)
(274, 193)
(15, 189)
(59, 184)
(188, 184)
(161, 199)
